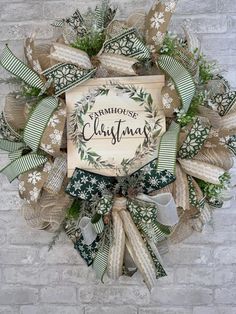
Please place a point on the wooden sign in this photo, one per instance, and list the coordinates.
(114, 124)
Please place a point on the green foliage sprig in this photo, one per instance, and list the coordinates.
(214, 191)
(186, 118)
(206, 69)
(171, 44)
(95, 24)
(90, 43)
(74, 211)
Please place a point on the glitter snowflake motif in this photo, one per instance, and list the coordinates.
(21, 187)
(157, 20)
(34, 194)
(34, 177)
(167, 101)
(54, 121)
(158, 38)
(56, 137)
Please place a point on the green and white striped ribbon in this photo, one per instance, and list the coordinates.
(181, 77)
(15, 66)
(15, 155)
(10, 146)
(101, 260)
(127, 44)
(23, 164)
(100, 16)
(98, 224)
(38, 121)
(155, 231)
(168, 149)
(58, 23)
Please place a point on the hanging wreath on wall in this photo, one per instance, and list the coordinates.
(119, 223)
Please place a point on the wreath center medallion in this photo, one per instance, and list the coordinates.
(115, 125)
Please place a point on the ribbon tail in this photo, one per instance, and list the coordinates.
(117, 250)
(181, 189)
(101, 261)
(155, 32)
(160, 272)
(13, 65)
(10, 146)
(181, 77)
(140, 253)
(23, 164)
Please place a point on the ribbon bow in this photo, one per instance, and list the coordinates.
(134, 216)
(118, 54)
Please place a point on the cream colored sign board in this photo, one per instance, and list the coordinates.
(115, 125)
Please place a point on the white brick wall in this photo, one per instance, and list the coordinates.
(202, 270)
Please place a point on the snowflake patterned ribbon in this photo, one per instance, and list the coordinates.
(117, 54)
(88, 186)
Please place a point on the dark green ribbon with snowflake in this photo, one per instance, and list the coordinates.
(193, 198)
(224, 103)
(127, 44)
(194, 140)
(85, 185)
(144, 215)
(118, 54)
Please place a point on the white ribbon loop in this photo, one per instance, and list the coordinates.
(167, 212)
(87, 230)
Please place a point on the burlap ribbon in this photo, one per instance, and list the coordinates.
(157, 22)
(118, 54)
(141, 213)
(122, 49)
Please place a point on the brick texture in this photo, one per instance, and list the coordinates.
(202, 270)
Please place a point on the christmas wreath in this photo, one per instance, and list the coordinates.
(119, 224)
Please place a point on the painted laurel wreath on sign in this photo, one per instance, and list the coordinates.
(108, 218)
(83, 106)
